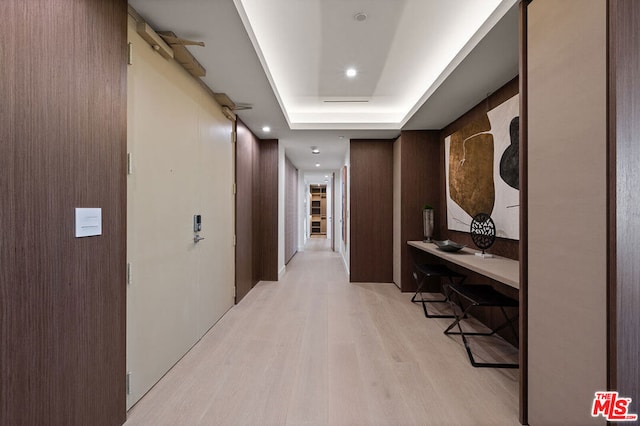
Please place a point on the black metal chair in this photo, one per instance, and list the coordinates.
(420, 275)
(480, 295)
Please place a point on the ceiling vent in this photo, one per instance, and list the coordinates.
(346, 101)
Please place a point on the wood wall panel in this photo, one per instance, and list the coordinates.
(256, 225)
(245, 153)
(421, 183)
(256, 210)
(291, 211)
(267, 215)
(502, 246)
(624, 45)
(371, 196)
(398, 250)
(63, 145)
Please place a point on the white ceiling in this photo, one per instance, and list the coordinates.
(304, 48)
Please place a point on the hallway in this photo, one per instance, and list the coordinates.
(314, 349)
(317, 244)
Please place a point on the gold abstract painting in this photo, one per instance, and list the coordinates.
(481, 161)
(471, 167)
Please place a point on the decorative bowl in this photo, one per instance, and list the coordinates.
(448, 245)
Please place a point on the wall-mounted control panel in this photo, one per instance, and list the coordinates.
(88, 222)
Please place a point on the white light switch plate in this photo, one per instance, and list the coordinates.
(88, 222)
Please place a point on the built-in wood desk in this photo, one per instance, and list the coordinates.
(498, 268)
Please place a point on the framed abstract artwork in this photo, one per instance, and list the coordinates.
(482, 171)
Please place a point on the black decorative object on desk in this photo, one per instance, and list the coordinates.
(448, 245)
(483, 232)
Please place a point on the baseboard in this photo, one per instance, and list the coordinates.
(282, 271)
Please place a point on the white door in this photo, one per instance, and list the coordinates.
(181, 164)
(216, 253)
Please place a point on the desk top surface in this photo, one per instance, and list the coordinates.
(499, 268)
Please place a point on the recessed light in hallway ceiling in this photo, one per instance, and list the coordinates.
(408, 48)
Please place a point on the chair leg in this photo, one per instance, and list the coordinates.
(464, 334)
(419, 291)
(425, 301)
(510, 321)
(457, 318)
(428, 315)
(485, 364)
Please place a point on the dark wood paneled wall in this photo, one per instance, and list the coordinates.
(62, 145)
(256, 210)
(502, 246)
(290, 211)
(246, 150)
(423, 181)
(371, 196)
(624, 251)
(267, 214)
(256, 249)
(421, 178)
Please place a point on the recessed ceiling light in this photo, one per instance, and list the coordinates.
(317, 164)
(351, 72)
(340, 137)
(266, 129)
(326, 176)
(315, 150)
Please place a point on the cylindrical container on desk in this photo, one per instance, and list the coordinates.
(427, 221)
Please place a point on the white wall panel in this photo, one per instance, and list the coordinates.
(567, 209)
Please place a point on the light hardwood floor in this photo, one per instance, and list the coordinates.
(313, 349)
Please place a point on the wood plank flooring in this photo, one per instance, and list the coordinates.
(313, 349)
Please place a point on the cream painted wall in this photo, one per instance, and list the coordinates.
(303, 214)
(346, 246)
(182, 165)
(329, 216)
(397, 220)
(337, 212)
(567, 250)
